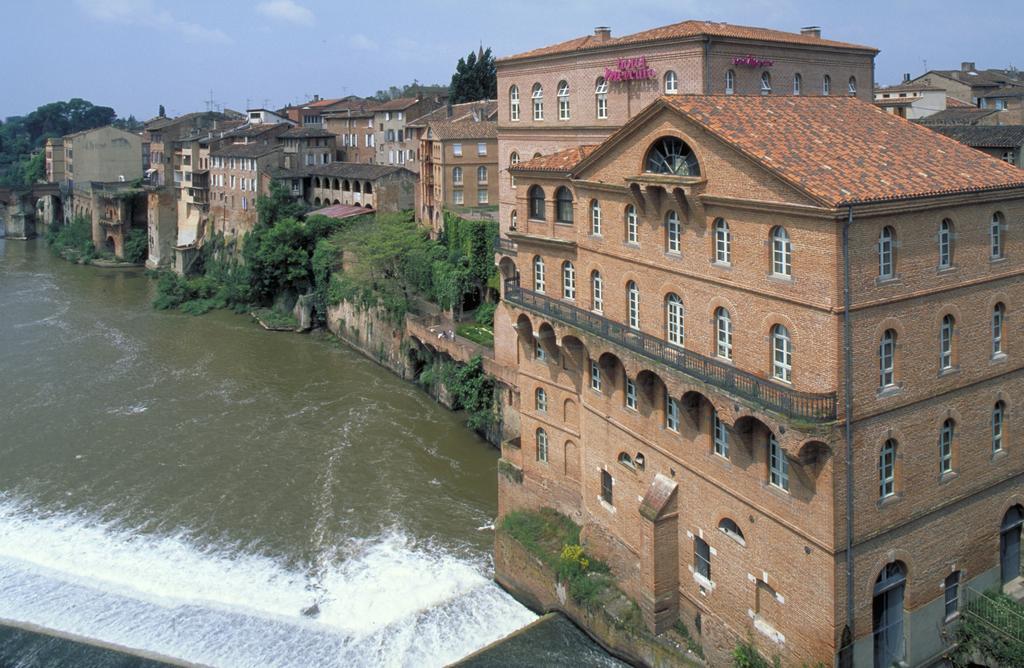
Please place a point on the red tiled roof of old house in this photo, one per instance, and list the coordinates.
(562, 161)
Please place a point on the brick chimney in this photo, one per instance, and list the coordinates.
(811, 31)
(967, 66)
(602, 33)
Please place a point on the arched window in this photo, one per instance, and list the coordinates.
(887, 359)
(513, 223)
(851, 86)
(601, 97)
(945, 244)
(887, 253)
(778, 465)
(538, 102)
(563, 205)
(536, 197)
(481, 174)
(1009, 544)
(563, 100)
(998, 419)
(633, 301)
(673, 232)
(730, 82)
(826, 85)
(596, 292)
(782, 354)
(671, 83)
(674, 319)
(887, 614)
(732, 530)
(568, 280)
(632, 231)
(782, 253)
(540, 400)
(457, 175)
(946, 332)
(513, 160)
(542, 445)
(538, 274)
(626, 460)
(946, 436)
(595, 217)
(996, 236)
(671, 155)
(671, 413)
(887, 470)
(998, 328)
(798, 82)
(766, 83)
(723, 333)
(723, 242)
(513, 103)
(719, 435)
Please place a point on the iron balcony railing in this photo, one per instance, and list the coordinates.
(506, 246)
(814, 407)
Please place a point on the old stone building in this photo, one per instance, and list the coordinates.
(768, 361)
(394, 145)
(239, 168)
(54, 159)
(385, 188)
(1001, 90)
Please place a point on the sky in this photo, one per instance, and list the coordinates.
(135, 55)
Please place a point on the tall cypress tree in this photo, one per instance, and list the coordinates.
(475, 78)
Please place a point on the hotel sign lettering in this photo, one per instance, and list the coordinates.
(751, 61)
(630, 69)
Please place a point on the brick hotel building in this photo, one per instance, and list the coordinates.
(765, 339)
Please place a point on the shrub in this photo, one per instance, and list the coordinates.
(136, 246)
(73, 239)
(485, 314)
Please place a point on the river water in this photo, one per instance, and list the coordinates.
(188, 486)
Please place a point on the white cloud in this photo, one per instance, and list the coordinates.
(286, 10)
(145, 13)
(362, 42)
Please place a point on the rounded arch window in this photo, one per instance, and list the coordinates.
(732, 530)
(513, 223)
(541, 400)
(797, 83)
(672, 156)
(626, 460)
(826, 85)
(536, 197)
(671, 83)
(563, 205)
(766, 83)
(730, 82)
(851, 86)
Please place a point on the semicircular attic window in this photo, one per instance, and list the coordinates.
(671, 156)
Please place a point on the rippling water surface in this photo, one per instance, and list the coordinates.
(189, 486)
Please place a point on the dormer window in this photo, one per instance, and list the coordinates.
(671, 156)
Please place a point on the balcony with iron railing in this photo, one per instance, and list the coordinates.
(764, 393)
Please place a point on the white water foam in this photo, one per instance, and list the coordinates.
(394, 602)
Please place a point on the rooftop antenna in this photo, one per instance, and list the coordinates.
(266, 103)
(247, 105)
(211, 103)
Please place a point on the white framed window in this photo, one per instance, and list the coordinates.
(540, 400)
(538, 102)
(671, 83)
(998, 417)
(539, 353)
(720, 436)
(481, 148)
(513, 160)
(778, 465)
(674, 319)
(766, 83)
(826, 85)
(513, 221)
(542, 445)
(633, 300)
(563, 101)
(851, 86)
(946, 435)
(730, 82)
(887, 469)
(458, 197)
(568, 280)
(671, 414)
(998, 328)
(782, 253)
(946, 342)
(596, 292)
(723, 333)
(782, 354)
(513, 103)
(630, 394)
(457, 175)
(673, 232)
(723, 242)
(887, 253)
(481, 174)
(457, 150)
(951, 594)
(701, 558)
(595, 217)
(601, 97)
(482, 196)
(538, 274)
(798, 82)
(887, 359)
(996, 236)
(945, 244)
(632, 231)
(595, 376)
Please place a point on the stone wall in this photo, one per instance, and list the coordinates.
(371, 332)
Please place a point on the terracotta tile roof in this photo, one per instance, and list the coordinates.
(306, 131)
(561, 162)
(682, 30)
(355, 170)
(984, 136)
(460, 112)
(465, 129)
(398, 104)
(954, 102)
(842, 151)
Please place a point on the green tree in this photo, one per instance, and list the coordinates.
(475, 78)
(277, 258)
(278, 205)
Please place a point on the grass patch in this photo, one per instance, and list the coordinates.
(477, 333)
(272, 318)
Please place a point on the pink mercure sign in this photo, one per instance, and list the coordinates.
(750, 61)
(629, 69)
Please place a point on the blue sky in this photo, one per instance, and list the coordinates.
(134, 55)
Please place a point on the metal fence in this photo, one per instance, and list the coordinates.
(1000, 614)
(809, 406)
